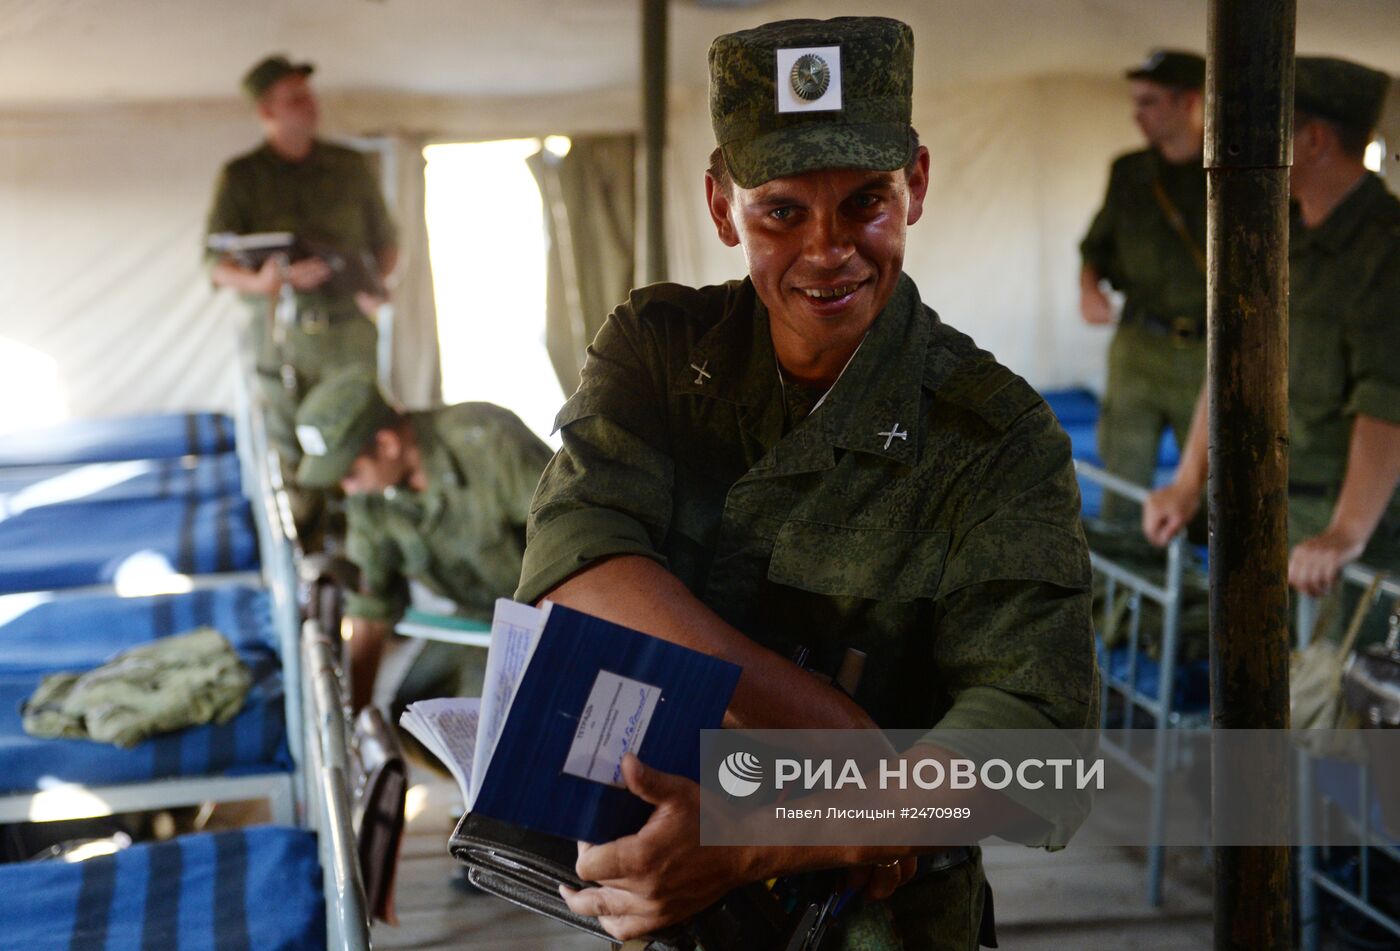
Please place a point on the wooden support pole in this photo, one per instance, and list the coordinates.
(654, 87)
(1248, 150)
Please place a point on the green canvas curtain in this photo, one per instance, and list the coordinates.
(590, 217)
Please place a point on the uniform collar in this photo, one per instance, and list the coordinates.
(876, 405)
(313, 158)
(1340, 227)
(873, 408)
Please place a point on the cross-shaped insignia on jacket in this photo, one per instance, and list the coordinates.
(893, 434)
(700, 375)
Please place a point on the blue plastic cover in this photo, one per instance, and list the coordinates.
(202, 477)
(39, 632)
(83, 543)
(256, 889)
(110, 440)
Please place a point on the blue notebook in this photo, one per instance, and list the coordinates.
(566, 694)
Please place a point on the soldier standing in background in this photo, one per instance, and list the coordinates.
(1343, 343)
(323, 194)
(1148, 242)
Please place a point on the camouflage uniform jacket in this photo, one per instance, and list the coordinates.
(463, 537)
(1132, 244)
(927, 513)
(331, 196)
(1344, 328)
(1344, 346)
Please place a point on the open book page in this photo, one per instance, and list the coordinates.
(515, 631)
(228, 242)
(448, 728)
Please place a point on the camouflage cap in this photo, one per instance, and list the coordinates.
(1171, 68)
(260, 78)
(336, 421)
(1340, 90)
(799, 95)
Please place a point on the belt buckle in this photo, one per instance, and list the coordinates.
(1183, 331)
(314, 322)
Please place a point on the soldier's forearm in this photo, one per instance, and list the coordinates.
(388, 261)
(366, 647)
(226, 273)
(1373, 469)
(773, 692)
(1195, 454)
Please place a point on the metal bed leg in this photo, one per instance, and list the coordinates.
(1363, 797)
(1166, 676)
(1308, 905)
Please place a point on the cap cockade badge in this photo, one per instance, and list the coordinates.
(312, 442)
(809, 79)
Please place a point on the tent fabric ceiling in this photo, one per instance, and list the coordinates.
(71, 51)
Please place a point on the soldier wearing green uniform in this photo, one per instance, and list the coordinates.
(1344, 343)
(1148, 241)
(439, 497)
(811, 457)
(321, 193)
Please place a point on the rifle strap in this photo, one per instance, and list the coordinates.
(1178, 223)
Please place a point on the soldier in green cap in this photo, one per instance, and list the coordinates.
(810, 458)
(1148, 242)
(321, 193)
(439, 497)
(1344, 343)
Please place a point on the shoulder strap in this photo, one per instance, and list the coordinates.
(1177, 222)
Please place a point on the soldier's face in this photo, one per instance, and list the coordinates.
(1161, 112)
(373, 472)
(826, 248)
(289, 106)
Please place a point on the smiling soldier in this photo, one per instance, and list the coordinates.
(811, 458)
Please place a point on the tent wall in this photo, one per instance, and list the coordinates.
(101, 212)
(101, 223)
(101, 218)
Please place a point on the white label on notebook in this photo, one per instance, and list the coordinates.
(613, 721)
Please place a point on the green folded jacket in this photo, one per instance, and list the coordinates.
(185, 680)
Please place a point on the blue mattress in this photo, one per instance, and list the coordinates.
(252, 742)
(1072, 407)
(1190, 686)
(38, 633)
(110, 440)
(1078, 412)
(201, 477)
(1341, 782)
(82, 543)
(256, 889)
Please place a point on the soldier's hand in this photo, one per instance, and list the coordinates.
(1313, 566)
(308, 274)
(368, 303)
(878, 882)
(268, 278)
(1095, 306)
(660, 875)
(1167, 511)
